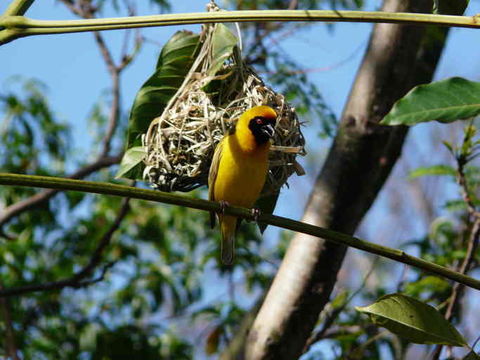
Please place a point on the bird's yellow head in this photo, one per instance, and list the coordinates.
(260, 122)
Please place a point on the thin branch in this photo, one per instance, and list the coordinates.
(472, 245)
(78, 279)
(18, 26)
(87, 11)
(18, 7)
(332, 317)
(114, 113)
(465, 266)
(336, 331)
(35, 200)
(10, 344)
(464, 188)
(285, 223)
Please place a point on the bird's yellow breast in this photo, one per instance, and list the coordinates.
(241, 174)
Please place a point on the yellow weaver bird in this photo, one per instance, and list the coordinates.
(239, 169)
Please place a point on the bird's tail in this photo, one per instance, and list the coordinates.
(228, 227)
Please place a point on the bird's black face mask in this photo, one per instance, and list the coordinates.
(262, 128)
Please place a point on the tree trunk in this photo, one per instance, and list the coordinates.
(361, 158)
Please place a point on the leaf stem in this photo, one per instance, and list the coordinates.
(19, 26)
(168, 198)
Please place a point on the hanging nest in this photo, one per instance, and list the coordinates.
(217, 90)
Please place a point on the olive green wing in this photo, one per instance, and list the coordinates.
(212, 177)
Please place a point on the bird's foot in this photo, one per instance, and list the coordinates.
(256, 214)
(223, 205)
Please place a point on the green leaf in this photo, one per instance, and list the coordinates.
(431, 284)
(174, 62)
(131, 158)
(455, 205)
(445, 101)
(223, 42)
(413, 320)
(435, 170)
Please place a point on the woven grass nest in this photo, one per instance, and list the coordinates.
(180, 143)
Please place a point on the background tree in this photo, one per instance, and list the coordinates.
(133, 279)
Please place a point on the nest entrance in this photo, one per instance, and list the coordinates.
(181, 142)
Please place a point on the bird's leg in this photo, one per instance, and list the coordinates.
(256, 214)
(223, 205)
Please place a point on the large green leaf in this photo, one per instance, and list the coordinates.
(131, 158)
(173, 64)
(445, 101)
(223, 42)
(413, 320)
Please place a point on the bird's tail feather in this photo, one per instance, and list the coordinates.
(228, 226)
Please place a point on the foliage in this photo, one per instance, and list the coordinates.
(34, 140)
(444, 101)
(412, 320)
(154, 299)
(173, 64)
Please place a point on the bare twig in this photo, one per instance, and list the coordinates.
(472, 245)
(114, 113)
(330, 319)
(87, 11)
(78, 279)
(10, 343)
(105, 52)
(24, 205)
(293, 5)
(465, 266)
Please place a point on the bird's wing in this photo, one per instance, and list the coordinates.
(212, 177)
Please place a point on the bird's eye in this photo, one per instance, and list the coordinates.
(259, 121)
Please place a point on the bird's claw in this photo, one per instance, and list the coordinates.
(256, 214)
(223, 205)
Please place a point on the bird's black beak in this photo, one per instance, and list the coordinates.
(268, 130)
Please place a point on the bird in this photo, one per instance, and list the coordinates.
(239, 169)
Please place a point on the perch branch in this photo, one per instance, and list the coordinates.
(285, 223)
(15, 27)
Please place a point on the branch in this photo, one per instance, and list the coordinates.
(77, 280)
(88, 12)
(10, 344)
(205, 205)
(33, 201)
(472, 245)
(465, 266)
(335, 313)
(18, 26)
(18, 7)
